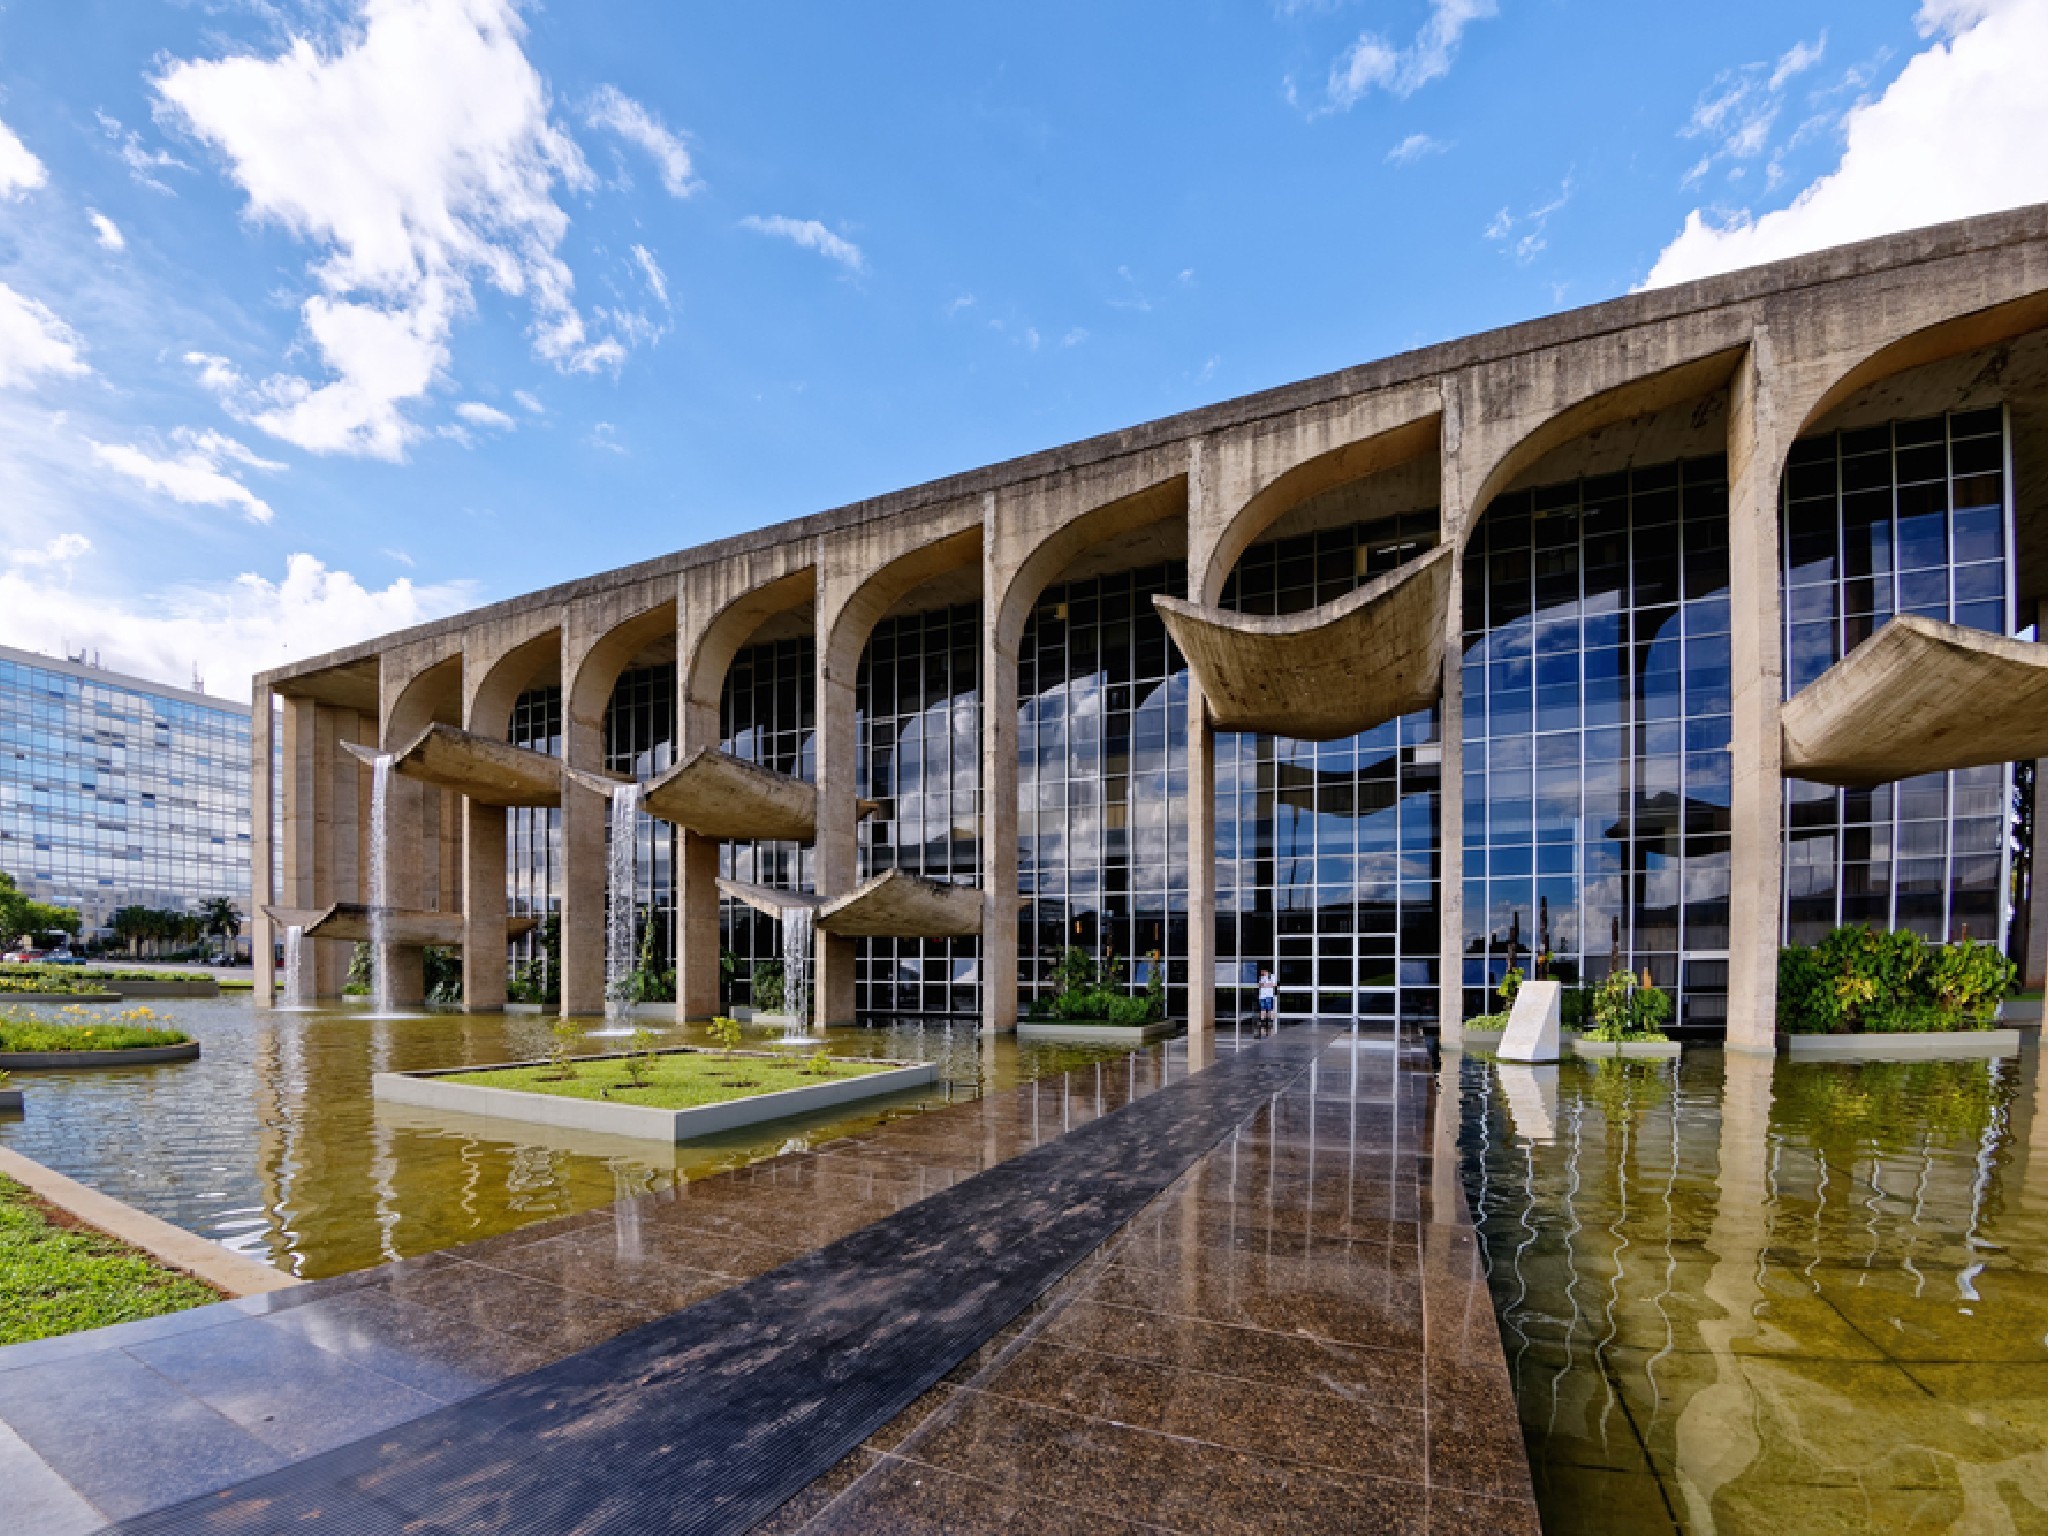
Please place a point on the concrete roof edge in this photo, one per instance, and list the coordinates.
(1745, 286)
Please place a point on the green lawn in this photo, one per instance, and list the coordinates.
(57, 1279)
(129, 1030)
(680, 1080)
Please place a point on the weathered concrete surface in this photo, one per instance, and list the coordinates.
(488, 771)
(1919, 696)
(769, 899)
(894, 905)
(1368, 657)
(717, 795)
(1533, 1023)
(349, 923)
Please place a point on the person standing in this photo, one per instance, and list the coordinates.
(1269, 1001)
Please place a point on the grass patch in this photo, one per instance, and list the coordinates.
(84, 973)
(59, 1277)
(54, 982)
(673, 1080)
(133, 1029)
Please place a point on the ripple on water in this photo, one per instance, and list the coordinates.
(271, 1143)
(1746, 1295)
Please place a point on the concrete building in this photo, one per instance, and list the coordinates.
(1372, 678)
(116, 791)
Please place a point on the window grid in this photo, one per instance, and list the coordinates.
(1906, 517)
(1326, 853)
(1103, 780)
(766, 712)
(918, 722)
(1596, 691)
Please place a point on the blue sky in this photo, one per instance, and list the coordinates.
(321, 318)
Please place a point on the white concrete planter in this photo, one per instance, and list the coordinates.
(430, 1090)
(142, 1056)
(1965, 1043)
(1649, 1050)
(1099, 1034)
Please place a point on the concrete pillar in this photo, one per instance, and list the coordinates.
(1201, 867)
(262, 887)
(2034, 957)
(584, 817)
(483, 907)
(1756, 451)
(412, 850)
(836, 858)
(1456, 519)
(999, 937)
(697, 945)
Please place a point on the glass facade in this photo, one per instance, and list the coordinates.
(118, 792)
(1596, 732)
(918, 714)
(1597, 727)
(1326, 852)
(533, 836)
(1102, 781)
(1909, 517)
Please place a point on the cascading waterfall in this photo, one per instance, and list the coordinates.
(380, 881)
(797, 927)
(294, 988)
(622, 868)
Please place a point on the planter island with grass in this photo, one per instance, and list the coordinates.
(135, 1038)
(74, 984)
(667, 1095)
(1092, 1004)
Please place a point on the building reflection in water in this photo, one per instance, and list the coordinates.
(1740, 1294)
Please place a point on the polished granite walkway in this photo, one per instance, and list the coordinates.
(1284, 1338)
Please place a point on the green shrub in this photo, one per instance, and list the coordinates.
(1087, 988)
(1627, 1007)
(1129, 1011)
(1865, 981)
(767, 986)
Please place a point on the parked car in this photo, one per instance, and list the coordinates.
(63, 957)
(23, 957)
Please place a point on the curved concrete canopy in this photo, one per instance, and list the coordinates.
(1368, 657)
(489, 771)
(350, 922)
(1917, 697)
(717, 795)
(770, 899)
(894, 905)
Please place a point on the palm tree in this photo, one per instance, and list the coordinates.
(220, 919)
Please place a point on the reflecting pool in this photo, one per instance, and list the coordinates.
(1746, 1295)
(271, 1143)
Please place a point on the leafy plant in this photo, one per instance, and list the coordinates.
(1861, 980)
(1628, 1007)
(767, 986)
(641, 1062)
(538, 978)
(567, 1034)
(727, 1033)
(443, 970)
(1510, 984)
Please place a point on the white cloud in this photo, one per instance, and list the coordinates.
(143, 163)
(1959, 132)
(60, 553)
(477, 414)
(606, 436)
(1796, 60)
(229, 630)
(615, 112)
(34, 342)
(20, 170)
(529, 402)
(192, 476)
(650, 269)
(416, 152)
(812, 236)
(1372, 63)
(107, 231)
(1417, 146)
(1525, 235)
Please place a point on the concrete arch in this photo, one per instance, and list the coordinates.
(849, 609)
(1251, 481)
(587, 685)
(709, 644)
(1931, 344)
(1016, 571)
(413, 700)
(495, 680)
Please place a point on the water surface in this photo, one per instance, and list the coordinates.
(271, 1143)
(1746, 1295)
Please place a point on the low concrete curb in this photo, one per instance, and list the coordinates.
(1648, 1050)
(11, 1099)
(1964, 1043)
(1098, 1034)
(205, 986)
(428, 1090)
(233, 1273)
(148, 1056)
